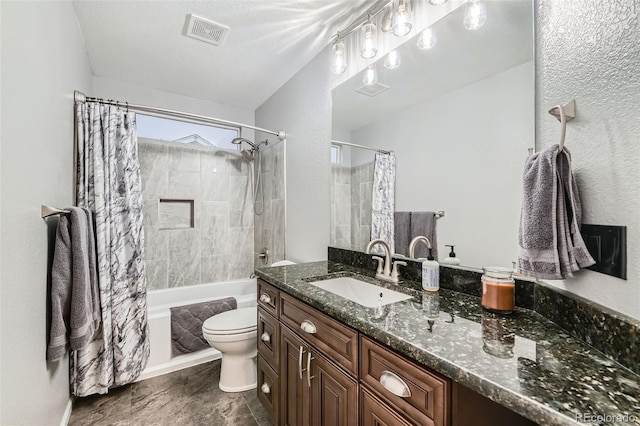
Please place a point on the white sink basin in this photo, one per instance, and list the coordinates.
(360, 292)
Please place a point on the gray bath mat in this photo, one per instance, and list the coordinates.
(187, 320)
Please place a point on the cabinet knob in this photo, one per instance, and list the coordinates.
(265, 388)
(394, 384)
(265, 337)
(264, 297)
(308, 327)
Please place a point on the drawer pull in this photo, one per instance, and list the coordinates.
(309, 376)
(265, 388)
(265, 337)
(394, 384)
(300, 361)
(264, 297)
(308, 327)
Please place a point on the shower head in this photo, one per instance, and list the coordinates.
(248, 155)
(238, 141)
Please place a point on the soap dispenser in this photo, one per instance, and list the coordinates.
(451, 259)
(430, 274)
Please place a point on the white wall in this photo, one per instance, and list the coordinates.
(43, 61)
(303, 108)
(590, 52)
(463, 152)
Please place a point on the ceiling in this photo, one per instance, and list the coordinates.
(269, 41)
(459, 58)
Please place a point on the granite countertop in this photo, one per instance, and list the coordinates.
(522, 361)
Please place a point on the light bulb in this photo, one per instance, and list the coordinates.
(427, 39)
(369, 41)
(393, 60)
(402, 18)
(370, 75)
(437, 2)
(475, 15)
(339, 62)
(386, 24)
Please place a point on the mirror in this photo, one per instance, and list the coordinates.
(460, 118)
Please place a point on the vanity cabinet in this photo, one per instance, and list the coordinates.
(314, 370)
(314, 390)
(421, 395)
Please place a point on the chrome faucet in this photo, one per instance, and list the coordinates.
(414, 243)
(388, 273)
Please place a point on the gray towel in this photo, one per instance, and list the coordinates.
(402, 226)
(187, 320)
(424, 223)
(75, 303)
(551, 246)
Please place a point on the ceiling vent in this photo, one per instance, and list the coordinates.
(205, 30)
(372, 89)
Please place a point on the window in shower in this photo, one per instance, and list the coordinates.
(168, 130)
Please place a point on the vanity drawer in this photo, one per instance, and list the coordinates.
(269, 389)
(269, 338)
(374, 412)
(426, 394)
(338, 341)
(268, 297)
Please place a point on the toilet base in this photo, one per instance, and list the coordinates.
(238, 373)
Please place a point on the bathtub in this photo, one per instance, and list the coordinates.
(159, 316)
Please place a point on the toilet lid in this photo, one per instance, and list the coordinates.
(235, 321)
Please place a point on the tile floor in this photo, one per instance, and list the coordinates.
(188, 397)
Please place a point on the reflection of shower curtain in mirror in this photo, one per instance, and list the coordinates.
(383, 199)
(109, 184)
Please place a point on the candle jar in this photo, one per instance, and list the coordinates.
(498, 290)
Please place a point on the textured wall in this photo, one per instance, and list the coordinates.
(219, 246)
(40, 69)
(303, 108)
(590, 51)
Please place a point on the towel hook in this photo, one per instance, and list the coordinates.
(564, 113)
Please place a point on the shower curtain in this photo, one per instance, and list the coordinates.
(109, 184)
(383, 200)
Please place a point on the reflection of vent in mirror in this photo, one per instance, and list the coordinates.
(373, 89)
(205, 30)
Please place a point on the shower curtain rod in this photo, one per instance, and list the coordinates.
(355, 145)
(80, 97)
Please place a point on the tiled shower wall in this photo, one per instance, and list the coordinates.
(269, 226)
(216, 242)
(351, 190)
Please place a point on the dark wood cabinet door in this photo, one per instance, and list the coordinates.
(334, 394)
(377, 413)
(294, 392)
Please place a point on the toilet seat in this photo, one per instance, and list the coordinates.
(236, 321)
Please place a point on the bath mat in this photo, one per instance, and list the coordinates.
(187, 320)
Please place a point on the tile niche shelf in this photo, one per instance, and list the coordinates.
(176, 213)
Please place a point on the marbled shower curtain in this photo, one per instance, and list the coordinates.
(109, 184)
(383, 200)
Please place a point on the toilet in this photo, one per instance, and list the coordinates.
(234, 334)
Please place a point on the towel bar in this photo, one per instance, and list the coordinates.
(51, 211)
